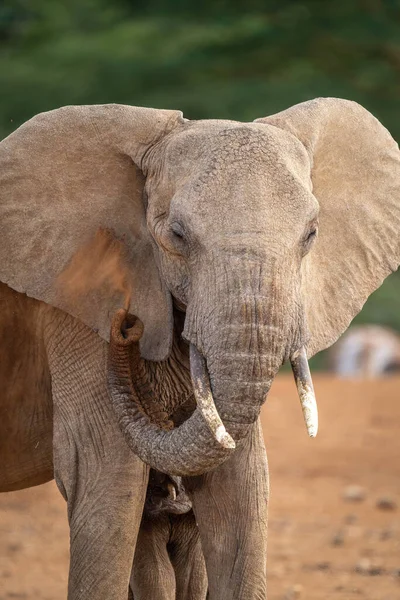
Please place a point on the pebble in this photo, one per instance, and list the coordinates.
(338, 539)
(319, 566)
(354, 493)
(350, 519)
(323, 566)
(386, 503)
(294, 592)
(386, 534)
(5, 574)
(366, 567)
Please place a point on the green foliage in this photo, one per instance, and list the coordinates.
(215, 58)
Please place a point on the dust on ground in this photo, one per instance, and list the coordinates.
(334, 518)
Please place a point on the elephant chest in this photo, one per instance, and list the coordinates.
(25, 396)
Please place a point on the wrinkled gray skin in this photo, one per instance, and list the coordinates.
(220, 218)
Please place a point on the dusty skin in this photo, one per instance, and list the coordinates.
(316, 538)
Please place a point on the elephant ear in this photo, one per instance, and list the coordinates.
(355, 174)
(71, 211)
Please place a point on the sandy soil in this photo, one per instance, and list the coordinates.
(322, 544)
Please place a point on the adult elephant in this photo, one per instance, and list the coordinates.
(243, 244)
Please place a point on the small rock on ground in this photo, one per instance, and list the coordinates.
(366, 567)
(386, 503)
(294, 592)
(354, 493)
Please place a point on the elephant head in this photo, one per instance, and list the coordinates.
(269, 235)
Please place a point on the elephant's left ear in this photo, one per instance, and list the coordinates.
(355, 174)
(73, 229)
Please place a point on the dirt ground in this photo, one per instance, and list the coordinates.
(334, 511)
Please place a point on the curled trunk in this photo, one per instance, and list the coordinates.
(190, 449)
(236, 349)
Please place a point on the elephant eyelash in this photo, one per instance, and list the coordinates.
(309, 238)
(178, 230)
(312, 234)
(171, 238)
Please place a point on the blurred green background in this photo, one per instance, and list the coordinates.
(210, 58)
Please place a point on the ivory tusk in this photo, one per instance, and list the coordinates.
(171, 491)
(204, 399)
(305, 388)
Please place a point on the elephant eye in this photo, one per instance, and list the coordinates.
(172, 238)
(310, 237)
(177, 230)
(312, 234)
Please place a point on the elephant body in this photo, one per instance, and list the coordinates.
(58, 425)
(26, 427)
(159, 273)
(168, 560)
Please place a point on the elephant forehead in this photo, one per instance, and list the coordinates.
(242, 171)
(228, 162)
(246, 206)
(222, 147)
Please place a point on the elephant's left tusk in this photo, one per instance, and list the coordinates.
(204, 399)
(305, 388)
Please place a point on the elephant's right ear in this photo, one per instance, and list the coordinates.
(71, 184)
(355, 176)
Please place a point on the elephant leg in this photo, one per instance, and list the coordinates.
(187, 558)
(152, 573)
(103, 482)
(230, 504)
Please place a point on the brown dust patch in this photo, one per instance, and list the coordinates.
(101, 263)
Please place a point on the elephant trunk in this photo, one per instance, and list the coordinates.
(198, 445)
(254, 327)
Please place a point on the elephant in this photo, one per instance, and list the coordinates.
(156, 273)
(168, 561)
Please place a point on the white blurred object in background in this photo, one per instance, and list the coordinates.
(366, 351)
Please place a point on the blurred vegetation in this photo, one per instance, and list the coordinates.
(216, 58)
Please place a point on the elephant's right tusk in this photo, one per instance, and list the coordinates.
(171, 491)
(305, 388)
(204, 399)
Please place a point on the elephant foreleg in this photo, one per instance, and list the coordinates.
(103, 482)
(152, 573)
(187, 558)
(230, 504)
(169, 563)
